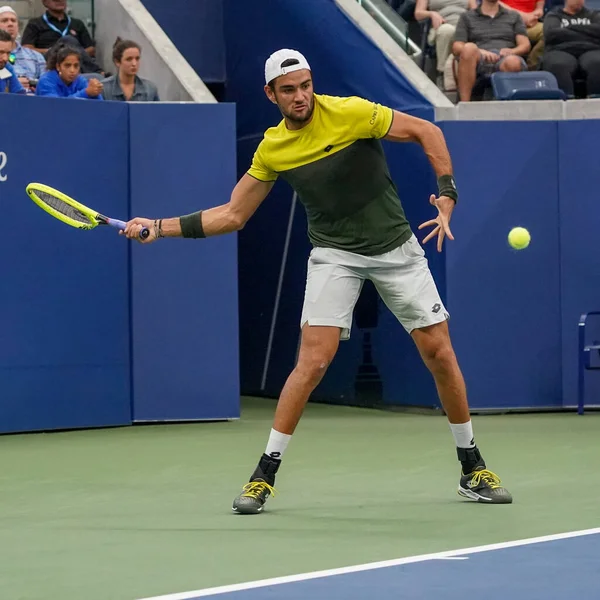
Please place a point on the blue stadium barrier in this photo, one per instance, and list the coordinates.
(579, 256)
(184, 292)
(64, 348)
(505, 304)
(69, 346)
(155, 334)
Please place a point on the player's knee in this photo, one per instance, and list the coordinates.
(438, 353)
(313, 367)
(441, 358)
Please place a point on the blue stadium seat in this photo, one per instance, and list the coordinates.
(526, 85)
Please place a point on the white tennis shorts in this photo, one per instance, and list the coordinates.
(402, 279)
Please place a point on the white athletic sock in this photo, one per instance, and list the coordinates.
(463, 434)
(277, 444)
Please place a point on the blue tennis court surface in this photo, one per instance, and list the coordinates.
(553, 567)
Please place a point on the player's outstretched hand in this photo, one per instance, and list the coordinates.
(133, 228)
(445, 207)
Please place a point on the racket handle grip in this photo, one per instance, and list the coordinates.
(144, 233)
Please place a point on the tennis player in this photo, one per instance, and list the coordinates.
(328, 149)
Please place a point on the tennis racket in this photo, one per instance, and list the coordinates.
(71, 212)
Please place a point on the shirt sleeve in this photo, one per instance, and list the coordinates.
(369, 119)
(14, 85)
(46, 87)
(461, 34)
(30, 35)
(520, 25)
(40, 64)
(259, 168)
(85, 39)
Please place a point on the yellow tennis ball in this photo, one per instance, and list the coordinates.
(519, 238)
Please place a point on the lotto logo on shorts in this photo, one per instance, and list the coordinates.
(436, 308)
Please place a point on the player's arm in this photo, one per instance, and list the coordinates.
(405, 128)
(246, 197)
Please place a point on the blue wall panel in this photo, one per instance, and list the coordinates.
(580, 256)
(184, 292)
(504, 304)
(196, 28)
(64, 346)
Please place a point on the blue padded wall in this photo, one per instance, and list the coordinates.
(184, 292)
(64, 347)
(579, 212)
(505, 304)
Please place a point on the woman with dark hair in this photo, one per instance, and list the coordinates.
(64, 80)
(126, 85)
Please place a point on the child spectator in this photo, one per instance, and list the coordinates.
(64, 80)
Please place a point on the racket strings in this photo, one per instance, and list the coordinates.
(62, 207)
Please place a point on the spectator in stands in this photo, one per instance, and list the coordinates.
(531, 12)
(29, 65)
(444, 15)
(572, 46)
(64, 80)
(490, 38)
(9, 81)
(54, 26)
(126, 85)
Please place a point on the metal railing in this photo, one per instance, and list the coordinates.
(393, 24)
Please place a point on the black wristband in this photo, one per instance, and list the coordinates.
(447, 187)
(191, 225)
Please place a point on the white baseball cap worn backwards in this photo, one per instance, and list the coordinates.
(273, 66)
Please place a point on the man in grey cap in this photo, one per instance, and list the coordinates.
(328, 149)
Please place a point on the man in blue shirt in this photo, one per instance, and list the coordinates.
(9, 81)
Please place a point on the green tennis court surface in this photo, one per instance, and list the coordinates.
(137, 512)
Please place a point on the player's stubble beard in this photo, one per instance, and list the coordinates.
(294, 119)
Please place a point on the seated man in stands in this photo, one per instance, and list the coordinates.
(29, 65)
(63, 79)
(8, 79)
(531, 12)
(56, 25)
(127, 85)
(572, 35)
(444, 15)
(488, 39)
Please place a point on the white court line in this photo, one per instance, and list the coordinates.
(370, 566)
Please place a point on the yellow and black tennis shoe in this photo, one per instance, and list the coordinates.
(482, 485)
(256, 492)
(253, 497)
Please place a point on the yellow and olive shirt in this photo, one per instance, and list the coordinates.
(337, 166)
